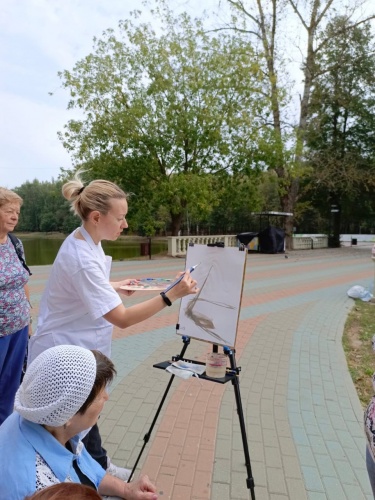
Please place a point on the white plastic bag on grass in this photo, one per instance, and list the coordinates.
(359, 292)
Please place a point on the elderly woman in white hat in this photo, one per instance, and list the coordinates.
(62, 395)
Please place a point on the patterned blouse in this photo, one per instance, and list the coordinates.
(369, 417)
(14, 306)
(45, 476)
(370, 426)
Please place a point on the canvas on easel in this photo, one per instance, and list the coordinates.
(212, 314)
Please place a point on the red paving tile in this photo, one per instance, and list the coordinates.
(153, 467)
(165, 484)
(181, 492)
(202, 485)
(185, 473)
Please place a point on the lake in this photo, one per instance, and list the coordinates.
(41, 250)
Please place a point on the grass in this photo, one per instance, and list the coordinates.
(358, 332)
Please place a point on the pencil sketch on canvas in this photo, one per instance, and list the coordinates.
(212, 314)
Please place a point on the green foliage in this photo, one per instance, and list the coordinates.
(236, 197)
(164, 112)
(146, 219)
(44, 208)
(341, 130)
(341, 133)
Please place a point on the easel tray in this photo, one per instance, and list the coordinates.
(228, 377)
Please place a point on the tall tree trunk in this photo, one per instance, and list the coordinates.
(266, 32)
(176, 220)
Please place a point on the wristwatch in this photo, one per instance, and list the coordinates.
(165, 298)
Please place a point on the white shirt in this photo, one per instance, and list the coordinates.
(77, 296)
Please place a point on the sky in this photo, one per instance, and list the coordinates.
(38, 38)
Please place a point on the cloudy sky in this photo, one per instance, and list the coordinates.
(38, 38)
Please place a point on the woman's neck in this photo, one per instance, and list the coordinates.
(60, 433)
(91, 229)
(3, 238)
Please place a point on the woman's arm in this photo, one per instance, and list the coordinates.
(124, 317)
(141, 489)
(27, 293)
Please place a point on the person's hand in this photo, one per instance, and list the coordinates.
(185, 287)
(141, 489)
(115, 488)
(117, 284)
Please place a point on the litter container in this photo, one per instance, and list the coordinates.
(354, 241)
(145, 249)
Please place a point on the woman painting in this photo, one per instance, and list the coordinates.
(14, 304)
(80, 305)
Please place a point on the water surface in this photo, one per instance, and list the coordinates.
(42, 251)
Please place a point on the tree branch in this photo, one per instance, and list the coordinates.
(294, 7)
(322, 14)
(234, 28)
(240, 7)
(341, 31)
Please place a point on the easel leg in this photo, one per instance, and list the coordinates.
(236, 384)
(186, 341)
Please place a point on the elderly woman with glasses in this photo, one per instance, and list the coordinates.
(61, 396)
(14, 302)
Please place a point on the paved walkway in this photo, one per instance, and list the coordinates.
(302, 414)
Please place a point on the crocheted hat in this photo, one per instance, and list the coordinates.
(56, 385)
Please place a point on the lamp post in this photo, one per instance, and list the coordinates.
(333, 220)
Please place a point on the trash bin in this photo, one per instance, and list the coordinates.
(145, 249)
(354, 241)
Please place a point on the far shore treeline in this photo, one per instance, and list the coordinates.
(202, 127)
(45, 210)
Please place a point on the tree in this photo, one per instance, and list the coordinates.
(33, 194)
(341, 128)
(239, 196)
(162, 113)
(44, 208)
(264, 22)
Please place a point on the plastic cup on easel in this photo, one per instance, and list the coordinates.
(216, 365)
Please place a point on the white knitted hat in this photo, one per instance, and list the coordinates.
(56, 385)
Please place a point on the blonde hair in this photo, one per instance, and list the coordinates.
(8, 196)
(95, 196)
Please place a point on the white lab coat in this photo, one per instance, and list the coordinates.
(77, 296)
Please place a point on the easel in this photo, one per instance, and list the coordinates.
(232, 374)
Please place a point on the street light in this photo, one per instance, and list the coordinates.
(334, 209)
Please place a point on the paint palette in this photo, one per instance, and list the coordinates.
(148, 285)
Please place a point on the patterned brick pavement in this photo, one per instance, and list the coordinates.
(302, 414)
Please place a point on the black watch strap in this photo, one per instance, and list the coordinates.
(165, 298)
